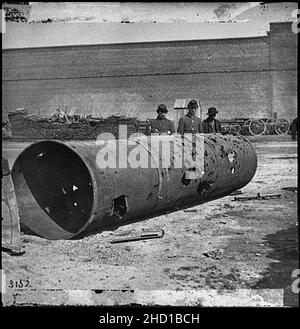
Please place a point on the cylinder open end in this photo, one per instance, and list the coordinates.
(54, 190)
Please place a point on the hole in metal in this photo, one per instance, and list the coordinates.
(120, 206)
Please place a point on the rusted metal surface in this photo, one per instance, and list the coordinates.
(61, 192)
(10, 216)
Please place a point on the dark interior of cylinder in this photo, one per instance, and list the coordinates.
(59, 182)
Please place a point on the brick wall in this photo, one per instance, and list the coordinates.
(132, 79)
(283, 63)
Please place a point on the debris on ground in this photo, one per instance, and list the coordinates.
(172, 256)
(144, 236)
(290, 188)
(257, 197)
(215, 254)
(190, 210)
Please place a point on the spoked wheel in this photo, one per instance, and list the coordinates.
(257, 127)
(270, 123)
(281, 127)
(245, 127)
(225, 128)
(235, 128)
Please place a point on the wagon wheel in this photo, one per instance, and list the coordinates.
(235, 128)
(257, 127)
(245, 127)
(270, 127)
(225, 128)
(281, 127)
(246, 123)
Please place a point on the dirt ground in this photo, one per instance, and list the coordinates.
(235, 249)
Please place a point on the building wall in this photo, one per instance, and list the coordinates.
(132, 79)
(283, 63)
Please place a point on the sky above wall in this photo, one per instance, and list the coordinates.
(70, 23)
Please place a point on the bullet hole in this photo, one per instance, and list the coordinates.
(47, 209)
(40, 155)
(223, 152)
(75, 188)
(232, 170)
(63, 190)
(120, 206)
(231, 156)
(75, 204)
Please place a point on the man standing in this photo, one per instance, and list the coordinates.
(161, 124)
(211, 124)
(190, 123)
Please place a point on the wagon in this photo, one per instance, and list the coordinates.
(256, 127)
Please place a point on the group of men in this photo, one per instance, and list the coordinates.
(189, 123)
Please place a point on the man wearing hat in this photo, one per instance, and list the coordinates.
(161, 124)
(211, 124)
(190, 123)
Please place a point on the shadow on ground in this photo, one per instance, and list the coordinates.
(285, 256)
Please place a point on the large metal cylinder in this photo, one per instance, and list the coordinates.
(62, 192)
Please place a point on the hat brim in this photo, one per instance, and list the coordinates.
(212, 113)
